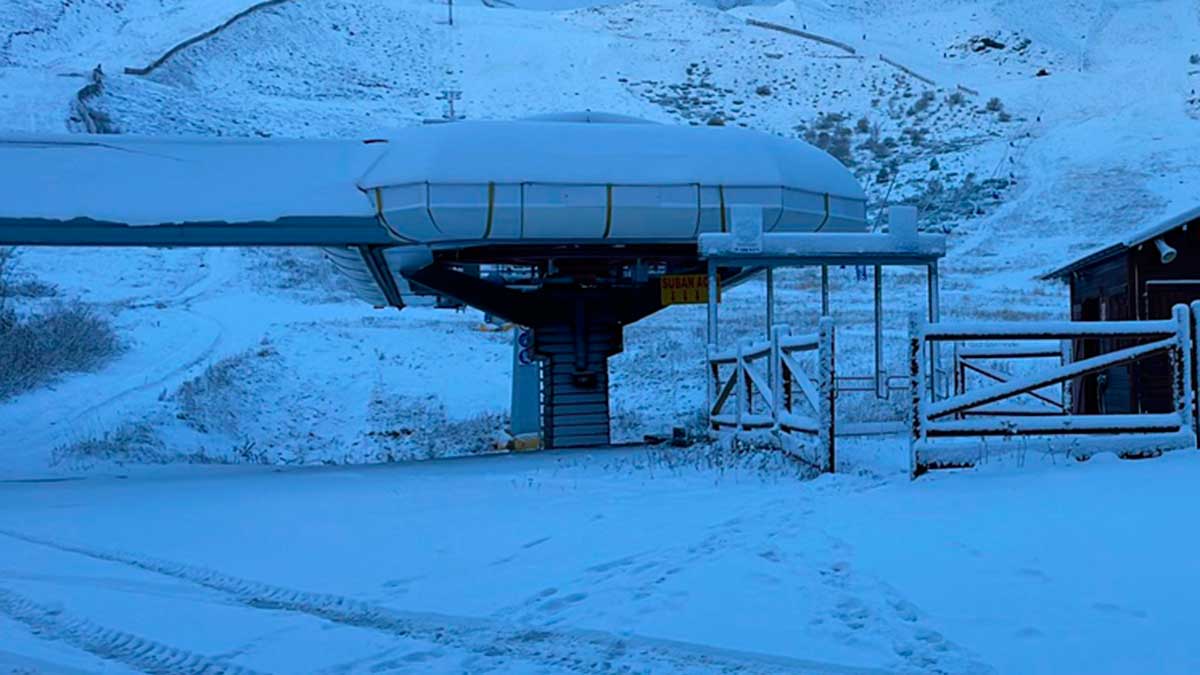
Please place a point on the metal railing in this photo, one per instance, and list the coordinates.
(947, 432)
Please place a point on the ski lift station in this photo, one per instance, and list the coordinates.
(571, 227)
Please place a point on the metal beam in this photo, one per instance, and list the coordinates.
(282, 232)
(372, 257)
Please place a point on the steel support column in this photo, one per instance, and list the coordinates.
(770, 300)
(824, 290)
(713, 334)
(935, 314)
(880, 378)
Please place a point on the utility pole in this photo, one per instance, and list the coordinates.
(450, 10)
(451, 95)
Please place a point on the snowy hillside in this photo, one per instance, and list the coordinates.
(938, 104)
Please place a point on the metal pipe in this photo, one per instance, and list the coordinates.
(935, 315)
(770, 300)
(880, 391)
(935, 310)
(713, 336)
(824, 290)
(771, 318)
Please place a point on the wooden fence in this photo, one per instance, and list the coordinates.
(764, 386)
(952, 430)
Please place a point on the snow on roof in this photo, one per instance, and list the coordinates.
(1135, 238)
(144, 181)
(532, 151)
(155, 181)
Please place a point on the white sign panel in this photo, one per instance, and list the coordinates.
(747, 228)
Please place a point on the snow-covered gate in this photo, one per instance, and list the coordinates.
(952, 428)
(765, 386)
(759, 386)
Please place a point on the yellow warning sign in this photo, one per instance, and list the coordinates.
(684, 289)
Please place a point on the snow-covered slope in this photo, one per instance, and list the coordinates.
(904, 93)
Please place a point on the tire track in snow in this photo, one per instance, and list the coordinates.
(110, 644)
(588, 651)
(156, 370)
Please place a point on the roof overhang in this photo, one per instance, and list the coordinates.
(1134, 239)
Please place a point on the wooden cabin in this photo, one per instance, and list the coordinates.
(1140, 277)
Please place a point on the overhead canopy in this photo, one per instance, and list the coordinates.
(562, 180)
(62, 188)
(572, 179)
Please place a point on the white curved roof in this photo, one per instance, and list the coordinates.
(534, 151)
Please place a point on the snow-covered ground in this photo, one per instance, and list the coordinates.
(612, 561)
(585, 561)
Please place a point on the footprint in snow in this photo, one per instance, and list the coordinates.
(852, 613)
(904, 609)
(1110, 608)
(559, 603)
(1033, 573)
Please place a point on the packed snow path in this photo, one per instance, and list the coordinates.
(601, 562)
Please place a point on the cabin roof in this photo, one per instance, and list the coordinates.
(1134, 238)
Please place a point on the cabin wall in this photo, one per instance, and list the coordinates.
(1159, 287)
(1133, 285)
(1102, 293)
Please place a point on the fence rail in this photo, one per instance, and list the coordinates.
(952, 431)
(764, 386)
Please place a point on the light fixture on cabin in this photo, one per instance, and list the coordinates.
(1166, 253)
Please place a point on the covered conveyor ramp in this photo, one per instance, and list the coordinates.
(563, 225)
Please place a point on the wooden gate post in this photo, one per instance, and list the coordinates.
(1181, 365)
(1193, 364)
(740, 374)
(776, 375)
(916, 389)
(1068, 397)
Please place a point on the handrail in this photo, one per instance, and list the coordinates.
(1049, 330)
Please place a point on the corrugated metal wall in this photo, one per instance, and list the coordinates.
(575, 409)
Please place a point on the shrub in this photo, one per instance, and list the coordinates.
(132, 442)
(36, 348)
(922, 103)
(995, 105)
